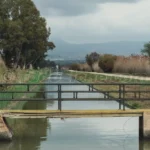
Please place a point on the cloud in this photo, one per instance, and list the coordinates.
(112, 22)
(72, 7)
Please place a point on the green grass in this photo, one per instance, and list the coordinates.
(33, 76)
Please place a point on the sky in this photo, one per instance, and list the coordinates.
(97, 21)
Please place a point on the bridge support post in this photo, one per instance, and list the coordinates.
(59, 97)
(5, 133)
(119, 96)
(144, 126)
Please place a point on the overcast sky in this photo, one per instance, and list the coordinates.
(91, 21)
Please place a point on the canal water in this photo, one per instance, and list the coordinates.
(74, 134)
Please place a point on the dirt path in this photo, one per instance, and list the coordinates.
(117, 75)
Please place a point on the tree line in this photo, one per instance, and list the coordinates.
(109, 63)
(24, 36)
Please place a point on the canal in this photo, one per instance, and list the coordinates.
(74, 134)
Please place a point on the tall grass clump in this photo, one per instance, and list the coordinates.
(136, 65)
(85, 67)
(3, 69)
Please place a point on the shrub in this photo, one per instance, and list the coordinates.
(85, 67)
(106, 62)
(91, 59)
(75, 67)
(96, 67)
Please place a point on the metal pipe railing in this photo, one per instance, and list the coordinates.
(121, 92)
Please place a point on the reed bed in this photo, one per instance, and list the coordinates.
(136, 65)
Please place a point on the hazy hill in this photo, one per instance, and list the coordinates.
(78, 51)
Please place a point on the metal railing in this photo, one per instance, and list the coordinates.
(115, 91)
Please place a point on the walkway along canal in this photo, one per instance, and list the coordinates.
(80, 133)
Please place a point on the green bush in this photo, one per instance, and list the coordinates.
(135, 106)
(106, 62)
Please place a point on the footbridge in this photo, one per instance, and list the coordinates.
(122, 93)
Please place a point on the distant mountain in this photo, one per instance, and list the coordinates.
(78, 51)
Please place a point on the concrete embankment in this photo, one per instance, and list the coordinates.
(5, 133)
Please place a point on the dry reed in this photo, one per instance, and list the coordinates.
(137, 65)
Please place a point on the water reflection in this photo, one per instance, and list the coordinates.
(28, 133)
(144, 145)
(76, 105)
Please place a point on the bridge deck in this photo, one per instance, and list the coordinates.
(72, 113)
